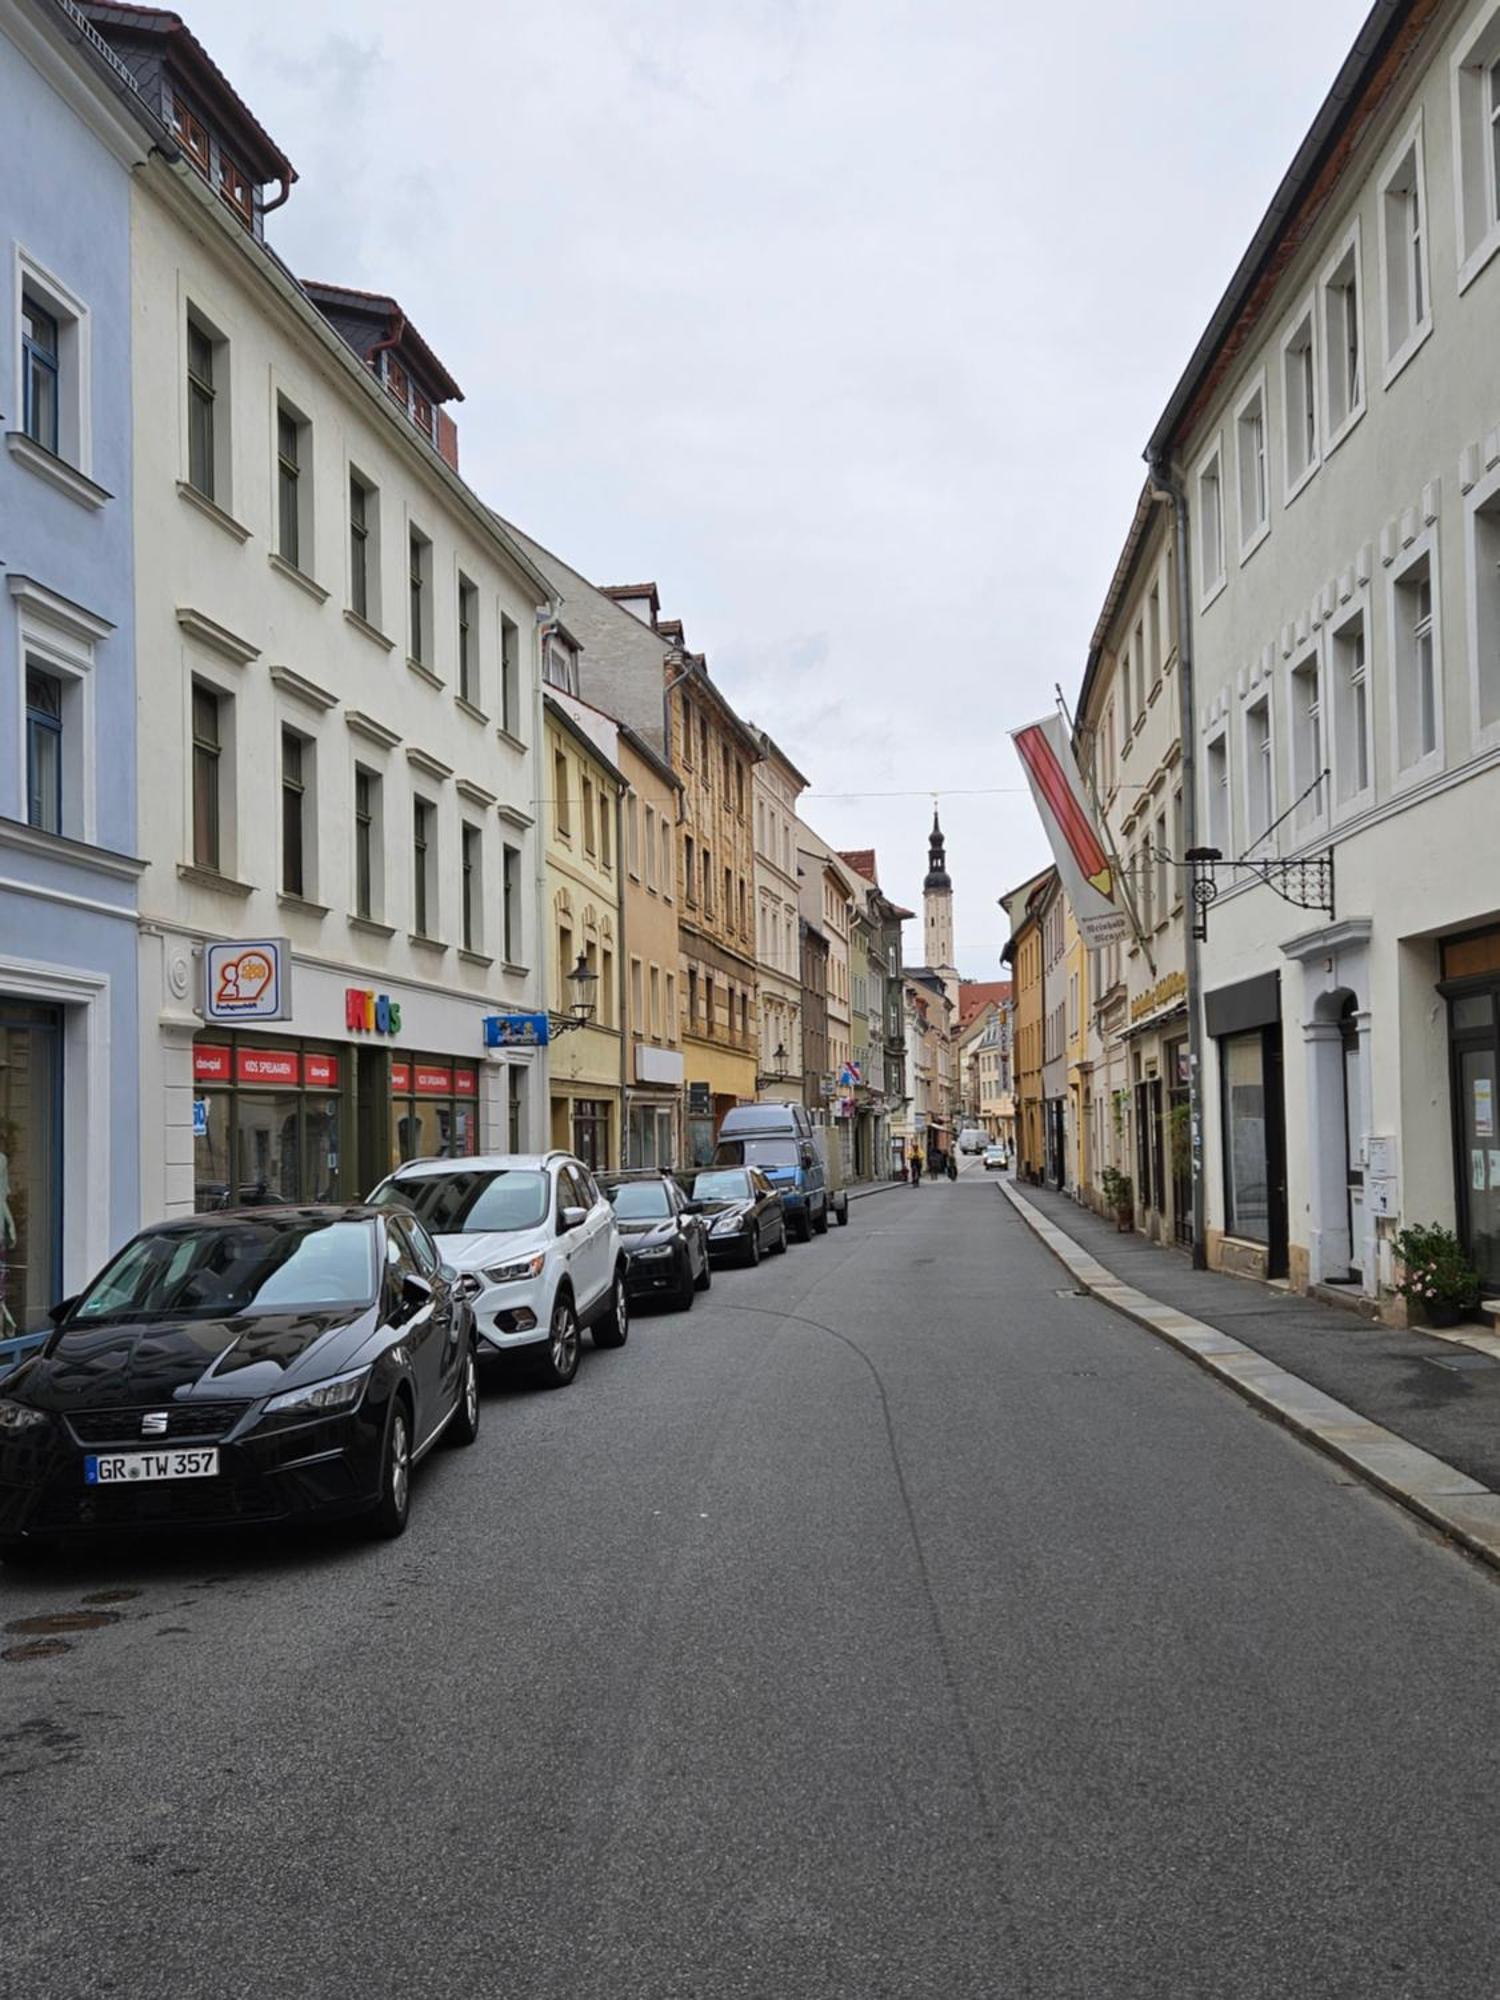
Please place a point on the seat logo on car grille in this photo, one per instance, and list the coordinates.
(154, 1424)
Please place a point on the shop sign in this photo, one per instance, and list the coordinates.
(1162, 994)
(210, 1065)
(321, 1072)
(516, 1031)
(465, 1083)
(200, 1117)
(433, 1082)
(268, 1066)
(367, 1012)
(400, 1076)
(247, 981)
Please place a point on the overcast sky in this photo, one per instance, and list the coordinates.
(845, 320)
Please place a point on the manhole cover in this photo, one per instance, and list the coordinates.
(1460, 1364)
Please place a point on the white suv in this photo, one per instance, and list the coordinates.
(535, 1245)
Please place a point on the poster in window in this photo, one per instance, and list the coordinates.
(1477, 1175)
(1484, 1107)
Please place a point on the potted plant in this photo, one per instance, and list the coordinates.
(1119, 1192)
(1436, 1278)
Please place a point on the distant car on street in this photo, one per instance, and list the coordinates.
(996, 1159)
(259, 1366)
(971, 1140)
(744, 1212)
(665, 1237)
(536, 1247)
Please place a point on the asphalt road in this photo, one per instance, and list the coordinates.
(889, 1625)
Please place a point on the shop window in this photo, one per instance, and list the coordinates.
(590, 1125)
(266, 1123)
(1246, 1158)
(31, 1166)
(434, 1109)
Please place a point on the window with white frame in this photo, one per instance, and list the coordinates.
(208, 426)
(1405, 281)
(364, 548)
(510, 676)
(1349, 666)
(471, 863)
(1343, 340)
(1260, 775)
(1416, 686)
(213, 778)
(294, 473)
(419, 598)
(1299, 367)
(1217, 795)
(52, 726)
(1252, 466)
(469, 688)
(1153, 633)
(1210, 525)
(1138, 656)
(1163, 878)
(299, 817)
(1308, 788)
(423, 867)
(369, 844)
(52, 352)
(1484, 582)
(1476, 119)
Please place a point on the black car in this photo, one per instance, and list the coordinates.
(234, 1368)
(664, 1237)
(745, 1214)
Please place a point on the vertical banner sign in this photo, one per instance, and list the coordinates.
(1073, 831)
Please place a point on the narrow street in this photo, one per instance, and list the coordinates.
(893, 1624)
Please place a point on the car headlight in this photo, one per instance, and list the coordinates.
(18, 1417)
(727, 1225)
(655, 1250)
(514, 1274)
(321, 1399)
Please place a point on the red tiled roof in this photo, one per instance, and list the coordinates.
(974, 995)
(861, 860)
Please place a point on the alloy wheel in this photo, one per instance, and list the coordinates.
(400, 1462)
(564, 1339)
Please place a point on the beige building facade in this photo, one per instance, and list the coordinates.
(778, 786)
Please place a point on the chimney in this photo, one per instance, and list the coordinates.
(447, 439)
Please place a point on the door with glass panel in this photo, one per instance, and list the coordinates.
(1476, 1126)
(31, 1194)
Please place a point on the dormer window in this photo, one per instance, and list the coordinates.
(397, 381)
(192, 132)
(421, 412)
(234, 186)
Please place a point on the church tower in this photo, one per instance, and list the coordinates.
(937, 915)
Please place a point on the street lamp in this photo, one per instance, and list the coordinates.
(580, 982)
(780, 1060)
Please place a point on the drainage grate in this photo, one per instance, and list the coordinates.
(1460, 1364)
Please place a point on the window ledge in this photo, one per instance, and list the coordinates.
(516, 971)
(467, 707)
(1331, 444)
(425, 943)
(508, 736)
(213, 510)
(303, 903)
(210, 878)
(56, 471)
(1300, 484)
(1247, 549)
(371, 632)
(1407, 351)
(298, 576)
(372, 927)
(474, 957)
(1479, 256)
(424, 673)
(1214, 591)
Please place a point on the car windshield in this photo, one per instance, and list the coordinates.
(473, 1201)
(640, 1201)
(766, 1154)
(726, 1184)
(238, 1267)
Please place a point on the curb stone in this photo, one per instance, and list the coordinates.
(1429, 1487)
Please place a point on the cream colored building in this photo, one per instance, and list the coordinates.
(338, 675)
(1337, 438)
(778, 786)
(1129, 743)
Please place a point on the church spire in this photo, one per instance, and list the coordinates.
(937, 867)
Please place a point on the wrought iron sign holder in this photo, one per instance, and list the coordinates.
(1307, 882)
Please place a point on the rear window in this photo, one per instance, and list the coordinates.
(762, 1153)
(473, 1202)
(730, 1184)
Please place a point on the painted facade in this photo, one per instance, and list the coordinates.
(778, 786)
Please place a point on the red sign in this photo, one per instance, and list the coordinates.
(269, 1066)
(465, 1083)
(210, 1065)
(321, 1072)
(434, 1082)
(400, 1076)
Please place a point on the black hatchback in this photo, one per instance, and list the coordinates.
(234, 1368)
(663, 1235)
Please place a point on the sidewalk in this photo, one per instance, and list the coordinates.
(1436, 1395)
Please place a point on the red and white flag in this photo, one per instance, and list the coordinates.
(1072, 828)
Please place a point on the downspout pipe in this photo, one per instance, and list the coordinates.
(1171, 489)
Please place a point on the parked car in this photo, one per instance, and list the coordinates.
(746, 1215)
(664, 1235)
(782, 1142)
(260, 1366)
(995, 1158)
(536, 1247)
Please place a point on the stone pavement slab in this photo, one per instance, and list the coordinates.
(1371, 1396)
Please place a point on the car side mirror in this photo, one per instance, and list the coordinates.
(573, 1218)
(58, 1313)
(692, 1208)
(416, 1291)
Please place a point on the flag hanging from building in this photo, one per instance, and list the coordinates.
(1073, 829)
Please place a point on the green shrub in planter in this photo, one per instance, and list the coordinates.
(1436, 1276)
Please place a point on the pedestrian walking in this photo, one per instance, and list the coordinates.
(951, 1165)
(916, 1169)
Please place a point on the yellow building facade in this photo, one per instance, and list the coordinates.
(653, 1027)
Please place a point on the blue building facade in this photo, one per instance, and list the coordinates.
(69, 1112)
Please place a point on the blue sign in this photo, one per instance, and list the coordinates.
(200, 1117)
(516, 1031)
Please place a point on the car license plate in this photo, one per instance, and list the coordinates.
(118, 1468)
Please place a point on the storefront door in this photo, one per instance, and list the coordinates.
(1476, 1109)
(31, 1184)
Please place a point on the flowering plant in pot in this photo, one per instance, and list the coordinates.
(1119, 1192)
(1436, 1277)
